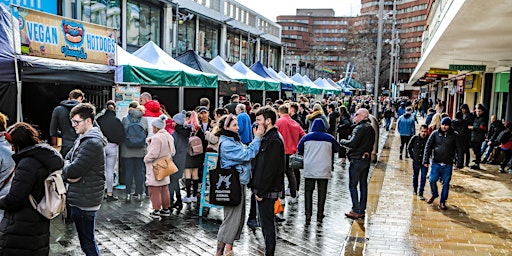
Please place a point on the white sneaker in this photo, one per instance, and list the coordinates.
(287, 191)
(193, 199)
(186, 199)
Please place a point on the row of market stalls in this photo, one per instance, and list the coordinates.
(31, 86)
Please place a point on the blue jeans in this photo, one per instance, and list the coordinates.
(486, 150)
(358, 174)
(419, 169)
(134, 167)
(388, 122)
(445, 173)
(84, 223)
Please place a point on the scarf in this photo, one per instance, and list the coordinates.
(231, 134)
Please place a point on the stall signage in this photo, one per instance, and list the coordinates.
(438, 71)
(56, 37)
(468, 67)
(40, 5)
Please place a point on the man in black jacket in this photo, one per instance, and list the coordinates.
(84, 170)
(442, 145)
(416, 150)
(60, 126)
(361, 147)
(268, 175)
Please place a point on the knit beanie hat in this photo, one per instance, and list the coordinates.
(159, 122)
(179, 118)
(446, 121)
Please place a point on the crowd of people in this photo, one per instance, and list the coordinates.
(443, 142)
(258, 141)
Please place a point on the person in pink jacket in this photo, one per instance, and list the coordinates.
(160, 145)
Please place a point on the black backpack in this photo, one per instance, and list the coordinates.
(135, 134)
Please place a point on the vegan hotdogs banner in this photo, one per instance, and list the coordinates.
(57, 37)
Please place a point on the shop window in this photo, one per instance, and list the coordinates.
(143, 23)
(186, 35)
(208, 41)
(102, 12)
(233, 48)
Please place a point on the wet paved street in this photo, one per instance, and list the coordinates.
(124, 228)
(477, 222)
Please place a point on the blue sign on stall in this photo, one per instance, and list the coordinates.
(48, 6)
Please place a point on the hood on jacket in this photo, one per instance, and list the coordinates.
(407, 115)
(318, 126)
(152, 109)
(44, 153)
(314, 115)
(95, 132)
(135, 113)
(69, 103)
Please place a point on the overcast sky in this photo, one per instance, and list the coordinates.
(273, 8)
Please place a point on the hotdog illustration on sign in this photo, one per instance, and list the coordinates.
(73, 33)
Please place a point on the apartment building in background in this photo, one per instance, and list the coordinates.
(317, 42)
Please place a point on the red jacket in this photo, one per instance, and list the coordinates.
(152, 109)
(291, 132)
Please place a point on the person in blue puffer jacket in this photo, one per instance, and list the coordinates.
(406, 128)
(232, 152)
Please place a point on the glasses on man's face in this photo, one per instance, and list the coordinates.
(76, 122)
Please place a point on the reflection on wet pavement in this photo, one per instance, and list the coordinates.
(126, 229)
(477, 222)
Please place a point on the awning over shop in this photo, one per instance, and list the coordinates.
(270, 85)
(43, 70)
(188, 76)
(262, 71)
(468, 33)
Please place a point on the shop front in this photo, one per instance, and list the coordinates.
(501, 93)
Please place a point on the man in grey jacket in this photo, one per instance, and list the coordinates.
(84, 169)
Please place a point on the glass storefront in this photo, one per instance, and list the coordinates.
(208, 40)
(186, 35)
(273, 61)
(103, 12)
(143, 24)
(264, 53)
(233, 48)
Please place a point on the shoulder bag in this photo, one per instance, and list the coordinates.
(225, 187)
(164, 166)
(296, 161)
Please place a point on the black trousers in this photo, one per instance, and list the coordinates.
(322, 195)
(268, 225)
(477, 150)
(292, 181)
(252, 211)
(404, 141)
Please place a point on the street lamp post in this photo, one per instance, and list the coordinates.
(379, 56)
(391, 65)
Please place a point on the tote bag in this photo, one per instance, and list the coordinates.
(225, 187)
